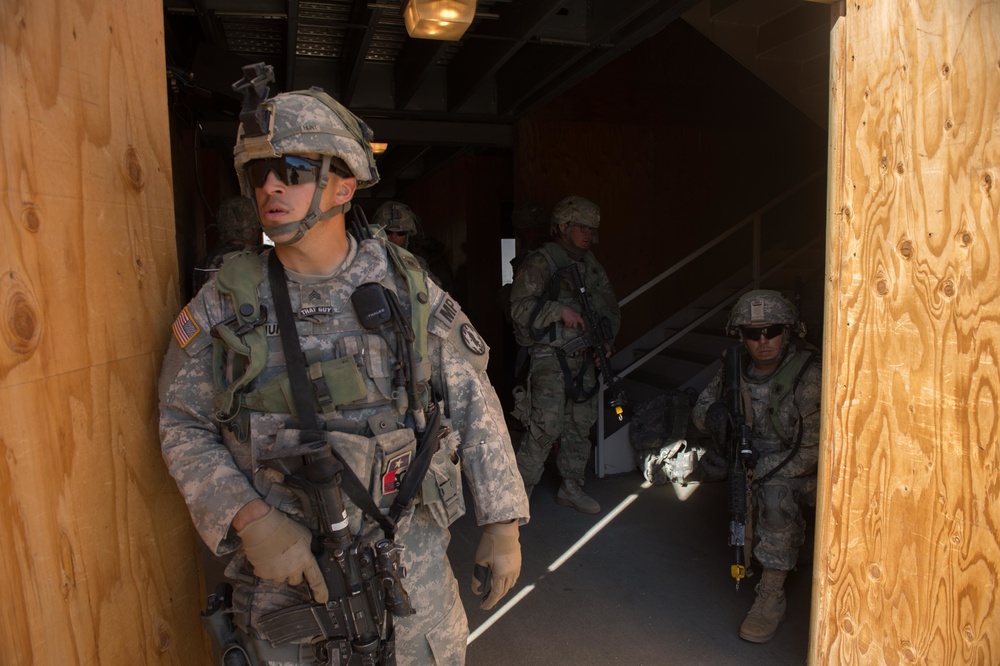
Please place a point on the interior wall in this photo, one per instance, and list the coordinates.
(464, 205)
(96, 549)
(908, 540)
(676, 142)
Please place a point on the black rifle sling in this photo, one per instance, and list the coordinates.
(302, 393)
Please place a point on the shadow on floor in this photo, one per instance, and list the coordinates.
(651, 587)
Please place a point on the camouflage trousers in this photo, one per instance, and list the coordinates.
(436, 634)
(553, 417)
(780, 530)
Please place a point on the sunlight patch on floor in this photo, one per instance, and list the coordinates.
(572, 550)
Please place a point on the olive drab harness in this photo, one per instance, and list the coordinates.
(243, 336)
(575, 389)
(783, 383)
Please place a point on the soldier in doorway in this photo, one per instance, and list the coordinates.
(324, 393)
(561, 400)
(779, 390)
(402, 227)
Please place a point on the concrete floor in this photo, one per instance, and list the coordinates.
(650, 587)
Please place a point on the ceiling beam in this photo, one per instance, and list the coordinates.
(493, 44)
(414, 64)
(356, 43)
(620, 25)
(478, 135)
(291, 43)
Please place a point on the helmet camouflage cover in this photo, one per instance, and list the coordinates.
(237, 220)
(309, 121)
(576, 210)
(763, 306)
(396, 217)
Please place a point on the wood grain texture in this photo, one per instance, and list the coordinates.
(910, 490)
(96, 553)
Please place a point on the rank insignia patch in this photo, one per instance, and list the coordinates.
(395, 472)
(185, 328)
(472, 340)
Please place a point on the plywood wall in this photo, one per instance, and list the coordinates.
(909, 506)
(96, 553)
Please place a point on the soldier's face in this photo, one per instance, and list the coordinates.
(395, 237)
(579, 236)
(764, 351)
(279, 202)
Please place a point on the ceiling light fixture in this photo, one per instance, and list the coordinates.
(378, 148)
(438, 19)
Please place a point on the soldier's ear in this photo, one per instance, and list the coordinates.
(345, 188)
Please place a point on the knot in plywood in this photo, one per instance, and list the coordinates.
(20, 315)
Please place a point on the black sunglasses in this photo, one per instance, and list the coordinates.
(767, 332)
(290, 170)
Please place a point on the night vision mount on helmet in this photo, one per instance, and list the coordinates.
(298, 123)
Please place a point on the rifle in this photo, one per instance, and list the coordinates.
(364, 581)
(741, 456)
(597, 335)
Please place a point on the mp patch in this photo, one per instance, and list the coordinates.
(472, 340)
(185, 328)
(447, 311)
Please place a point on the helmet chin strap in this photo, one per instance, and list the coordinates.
(314, 215)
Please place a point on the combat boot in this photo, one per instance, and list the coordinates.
(768, 610)
(570, 494)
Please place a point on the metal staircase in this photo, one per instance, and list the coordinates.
(683, 350)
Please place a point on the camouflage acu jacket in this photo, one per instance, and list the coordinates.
(218, 472)
(530, 291)
(798, 416)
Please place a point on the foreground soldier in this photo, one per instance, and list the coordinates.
(285, 391)
(562, 387)
(781, 380)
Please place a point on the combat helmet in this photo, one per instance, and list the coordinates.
(237, 220)
(764, 306)
(576, 210)
(396, 217)
(303, 121)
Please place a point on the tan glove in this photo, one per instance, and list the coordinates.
(279, 550)
(498, 563)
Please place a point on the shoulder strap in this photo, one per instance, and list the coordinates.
(549, 293)
(409, 268)
(295, 363)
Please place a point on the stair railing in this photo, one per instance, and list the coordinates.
(755, 219)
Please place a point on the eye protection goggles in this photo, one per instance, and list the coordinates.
(290, 170)
(766, 332)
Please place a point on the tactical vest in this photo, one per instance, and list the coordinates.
(782, 384)
(353, 374)
(556, 290)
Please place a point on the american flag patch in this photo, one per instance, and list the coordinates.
(185, 328)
